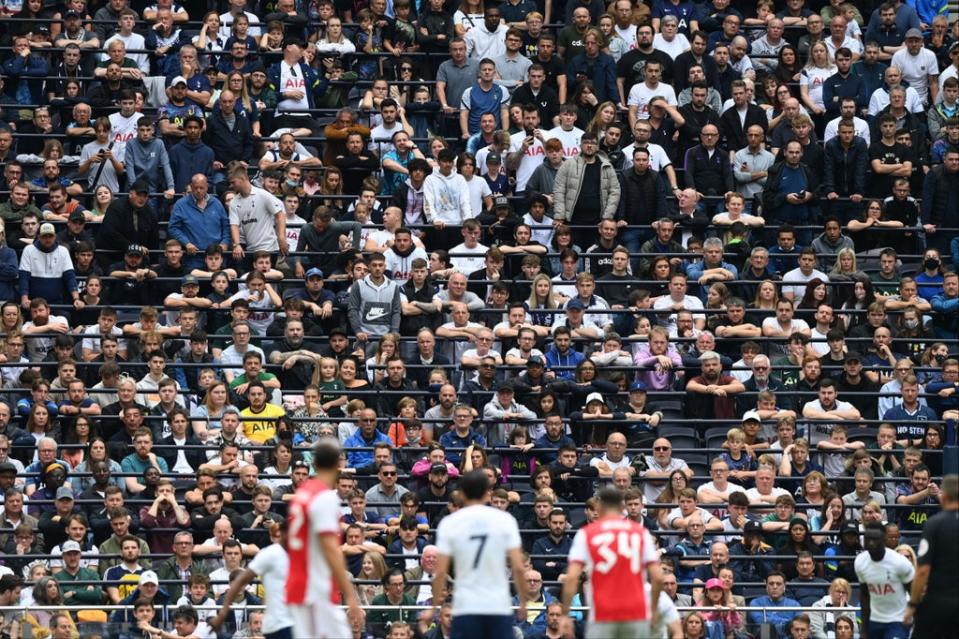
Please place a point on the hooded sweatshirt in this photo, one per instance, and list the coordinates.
(446, 198)
(148, 161)
(46, 273)
(186, 160)
(375, 309)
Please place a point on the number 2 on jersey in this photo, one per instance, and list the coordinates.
(627, 546)
(479, 549)
(297, 519)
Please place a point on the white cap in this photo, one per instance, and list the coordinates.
(149, 577)
(752, 415)
(594, 397)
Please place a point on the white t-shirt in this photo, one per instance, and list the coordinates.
(690, 303)
(730, 488)
(226, 25)
(753, 494)
(667, 614)
(798, 281)
(256, 214)
(292, 79)
(479, 189)
(657, 157)
(93, 341)
(818, 342)
(832, 129)
(469, 259)
(532, 158)
(813, 78)
(916, 69)
(381, 138)
(570, 139)
(478, 539)
(640, 95)
(887, 579)
(673, 48)
(795, 325)
(272, 564)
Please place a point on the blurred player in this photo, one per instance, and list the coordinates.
(883, 574)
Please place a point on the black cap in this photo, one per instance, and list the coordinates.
(338, 331)
(439, 468)
(73, 14)
(77, 216)
(7, 467)
(852, 356)
(849, 527)
(535, 360)
(506, 387)
(753, 527)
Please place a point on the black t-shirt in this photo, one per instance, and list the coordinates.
(881, 185)
(631, 67)
(587, 209)
(938, 549)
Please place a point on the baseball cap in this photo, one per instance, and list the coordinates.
(77, 216)
(494, 158)
(70, 546)
(72, 14)
(639, 387)
(338, 331)
(914, 33)
(751, 415)
(314, 272)
(752, 527)
(149, 577)
(714, 583)
(535, 360)
(849, 527)
(501, 200)
(190, 280)
(64, 492)
(853, 356)
(140, 186)
(7, 467)
(575, 304)
(505, 387)
(595, 397)
(136, 249)
(178, 80)
(47, 229)
(439, 468)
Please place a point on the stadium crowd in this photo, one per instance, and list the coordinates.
(702, 252)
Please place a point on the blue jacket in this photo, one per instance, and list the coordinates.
(186, 160)
(455, 445)
(571, 360)
(18, 69)
(358, 458)
(602, 72)
(539, 623)
(190, 224)
(836, 87)
(9, 273)
(315, 85)
(777, 619)
(47, 273)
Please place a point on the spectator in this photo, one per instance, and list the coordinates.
(775, 597)
(46, 271)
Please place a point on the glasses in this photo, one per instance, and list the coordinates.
(709, 135)
(406, 68)
(760, 368)
(487, 365)
(661, 448)
(389, 474)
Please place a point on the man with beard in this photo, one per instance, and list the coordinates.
(586, 190)
(709, 394)
(435, 494)
(297, 360)
(631, 67)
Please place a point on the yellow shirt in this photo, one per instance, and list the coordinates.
(259, 427)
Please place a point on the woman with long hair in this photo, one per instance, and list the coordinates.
(817, 292)
(764, 304)
(678, 481)
(352, 380)
(331, 189)
(11, 319)
(789, 67)
(694, 626)
(859, 297)
(605, 115)
(96, 451)
(102, 199)
(468, 14)
(236, 83)
(775, 111)
(845, 268)
(334, 41)
(388, 346)
(911, 333)
(586, 103)
(76, 441)
(281, 467)
(829, 521)
(720, 614)
(206, 416)
(47, 595)
(930, 275)
(932, 360)
(813, 76)
(372, 570)
(541, 298)
(865, 231)
(796, 540)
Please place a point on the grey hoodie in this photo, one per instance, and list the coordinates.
(146, 161)
(375, 309)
